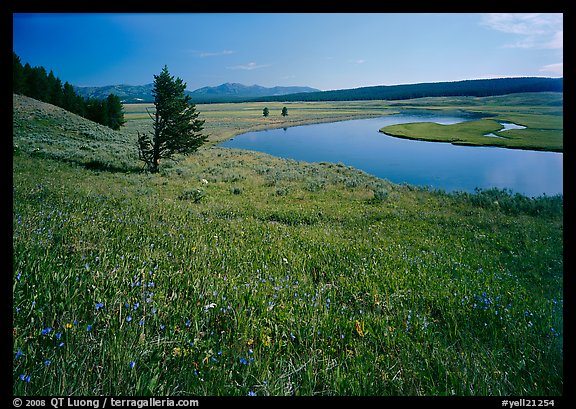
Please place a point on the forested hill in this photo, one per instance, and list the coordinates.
(477, 88)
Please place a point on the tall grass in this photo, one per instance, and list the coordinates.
(121, 288)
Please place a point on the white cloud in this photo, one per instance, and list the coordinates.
(535, 30)
(249, 66)
(216, 53)
(554, 69)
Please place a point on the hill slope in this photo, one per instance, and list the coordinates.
(46, 130)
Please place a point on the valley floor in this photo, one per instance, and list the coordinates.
(275, 277)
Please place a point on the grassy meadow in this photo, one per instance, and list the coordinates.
(237, 273)
(542, 115)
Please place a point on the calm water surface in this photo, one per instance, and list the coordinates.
(438, 165)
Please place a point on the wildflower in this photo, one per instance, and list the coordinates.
(243, 361)
(58, 335)
(360, 327)
(129, 318)
(68, 326)
(46, 331)
(251, 393)
(88, 328)
(208, 306)
(292, 335)
(47, 362)
(132, 364)
(19, 354)
(136, 306)
(554, 332)
(61, 344)
(99, 305)
(141, 322)
(213, 359)
(25, 378)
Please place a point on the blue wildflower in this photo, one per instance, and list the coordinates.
(132, 364)
(19, 354)
(251, 393)
(58, 335)
(88, 328)
(99, 305)
(46, 331)
(47, 362)
(243, 361)
(129, 318)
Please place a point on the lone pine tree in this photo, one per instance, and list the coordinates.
(176, 127)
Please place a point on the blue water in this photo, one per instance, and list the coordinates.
(359, 143)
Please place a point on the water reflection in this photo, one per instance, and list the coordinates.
(438, 165)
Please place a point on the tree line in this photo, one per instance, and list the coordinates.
(477, 88)
(35, 82)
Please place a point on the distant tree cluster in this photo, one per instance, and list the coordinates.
(477, 88)
(35, 82)
(266, 111)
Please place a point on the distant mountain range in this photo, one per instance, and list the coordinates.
(232, 92)
(228, 92)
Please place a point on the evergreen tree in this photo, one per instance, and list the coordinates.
(265, 112)
(18, 79)
(96, 111)
(55, 93)
(36, 84)
(176, 127)
(72, 102)
(284, 111)
(115, 112)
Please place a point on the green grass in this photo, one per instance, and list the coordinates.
(541, 114)
(278, 278)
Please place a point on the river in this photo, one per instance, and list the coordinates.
(359, 143)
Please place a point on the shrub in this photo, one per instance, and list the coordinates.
(380, 194)
(196, 195)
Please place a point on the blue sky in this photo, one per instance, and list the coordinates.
(324, 51)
